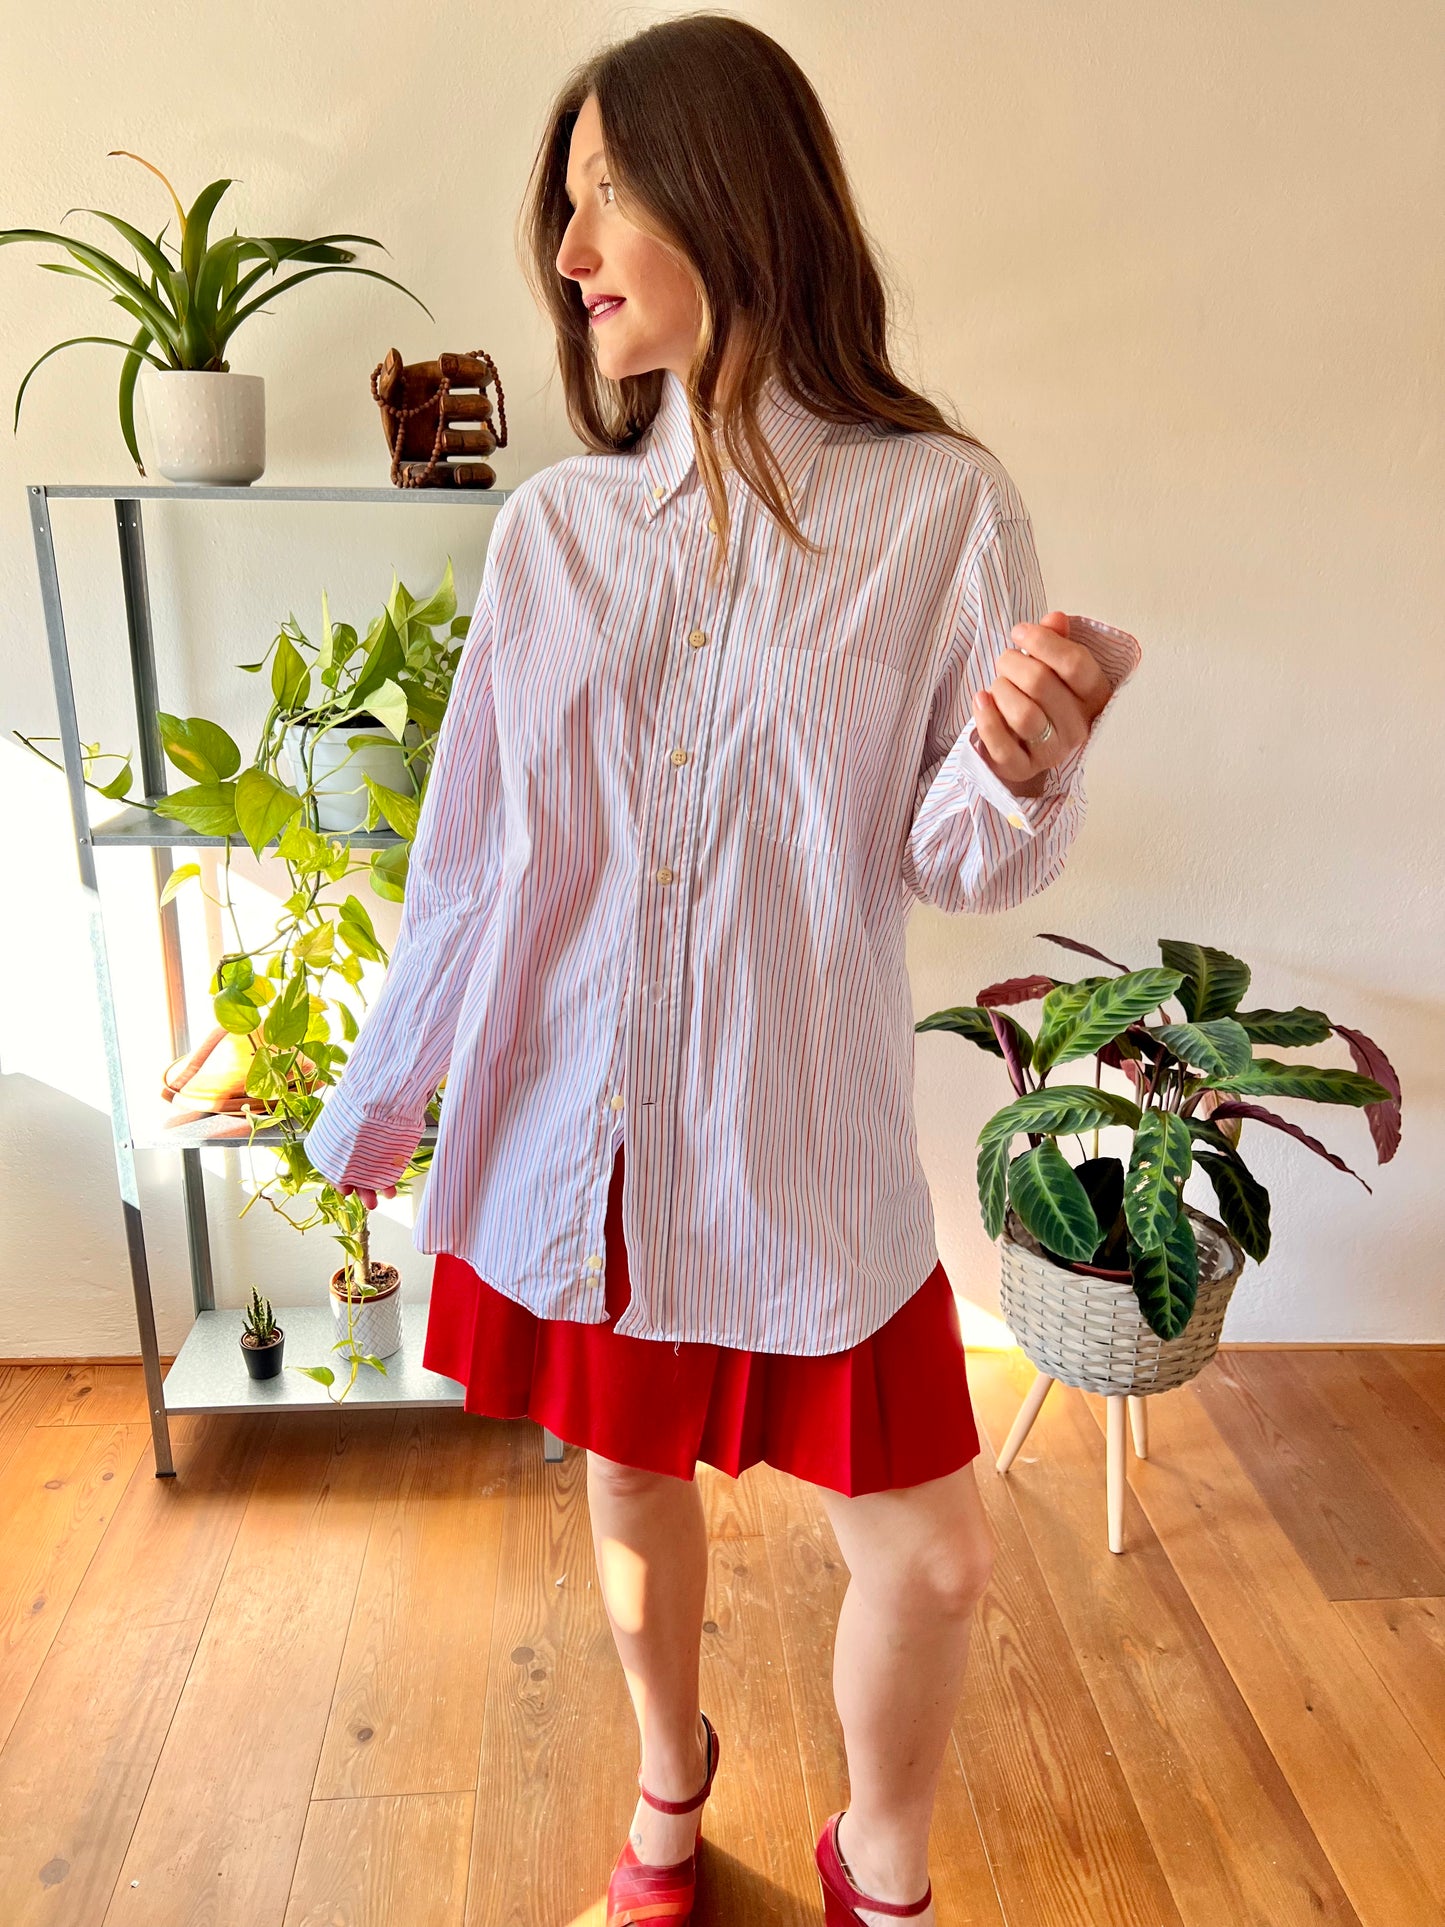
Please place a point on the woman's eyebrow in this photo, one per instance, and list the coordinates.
(587, 165)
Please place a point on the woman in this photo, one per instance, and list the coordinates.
(709, 740)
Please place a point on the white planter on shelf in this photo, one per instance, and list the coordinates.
(375, 1320)
(205, 426)
(339, 770)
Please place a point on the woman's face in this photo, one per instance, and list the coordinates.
(656, 324)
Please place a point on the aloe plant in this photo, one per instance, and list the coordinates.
(1194, 1083)
(189, 305)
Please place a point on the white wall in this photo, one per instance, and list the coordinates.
(1181, 267)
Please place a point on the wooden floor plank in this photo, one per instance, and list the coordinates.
(1393, 1429)
(809, 1580)
(1065, 1839)
(1323, 1491)
(1404, 1640)
(383, 1861)
(1194, 1759)
(25, 1393)
(92, 1393)
(59, 1491)
(407, 1715)
(114, 1674)
(1363, 1779)
(219, 1832)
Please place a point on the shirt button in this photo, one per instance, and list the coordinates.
(1016, 819)
(712, 524)
(658, 491)
(679, 756)
(617, 1102)
(697, 638)
(664, 876)
(594, 1263)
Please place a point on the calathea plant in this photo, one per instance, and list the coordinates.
(1195, 1080)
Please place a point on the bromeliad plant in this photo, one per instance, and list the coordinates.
(1194, 1083)
(188, 303)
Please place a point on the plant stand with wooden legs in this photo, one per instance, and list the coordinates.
(1115, 1469)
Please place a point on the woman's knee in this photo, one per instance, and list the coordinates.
(629, 1481)
(927, 1547)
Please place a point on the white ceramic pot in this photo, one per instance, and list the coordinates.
(339, 770)
(204, 426)
(375, 1322)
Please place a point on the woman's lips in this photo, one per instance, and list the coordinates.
(606, 308)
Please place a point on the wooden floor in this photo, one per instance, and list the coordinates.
(352, 1669)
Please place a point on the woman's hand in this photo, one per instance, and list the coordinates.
(365, 1193)
(1044, 679)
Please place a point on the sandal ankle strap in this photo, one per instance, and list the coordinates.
(857, 1895)
(686, 1806)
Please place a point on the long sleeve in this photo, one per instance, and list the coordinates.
(973, 844)
(374, 1116)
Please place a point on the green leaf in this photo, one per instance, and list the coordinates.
(1270, 1078)
(970, 1021)
(1243, 1202)
(387, 702)
(264, 1080)
(323, 1374)
(120, 783)
(263, 807)
(235, 1010)
(290, 678)
(199, 749)
(1051, 1201)
(357, 932)
(316, 945)
(207, 808)
(289, 1016)
(328, 636)
(993, 1161)
(301, 847)
(1297, 1026)
(1166, 1279)
(1159, 1164)
(1220, 1046)
(1066, 1107)
(401, 812)
(177, 878)
(388, 872)
(385, 660)
(1213, 982)
(349, 1026)
(1073, 1030)
(441, 604)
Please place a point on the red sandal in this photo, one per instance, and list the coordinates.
(841, 1899)
(639, 1895)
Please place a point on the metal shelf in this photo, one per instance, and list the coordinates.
(136, 828)
(208, 1373)
(217, 1131)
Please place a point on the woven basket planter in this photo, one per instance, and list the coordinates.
(1089, 1332)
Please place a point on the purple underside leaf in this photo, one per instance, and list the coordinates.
(1087, 949)
(1016, 990)
(1237, 1107)
(1008, 1043)
(1384, 1117)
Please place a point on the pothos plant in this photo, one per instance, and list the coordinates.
(1194, 1083)
(294, 994)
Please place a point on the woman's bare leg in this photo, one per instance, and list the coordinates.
(920, 1558)
(650, 1541)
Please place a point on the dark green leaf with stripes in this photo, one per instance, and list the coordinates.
(1297, 1026)
(1213, 982)
(1079, 1029)
(1243, 1202)
(1160, 1162)
(1049, 1198)
(1219, 1046)
(1166, 1279)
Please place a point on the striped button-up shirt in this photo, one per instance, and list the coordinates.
(670, 843)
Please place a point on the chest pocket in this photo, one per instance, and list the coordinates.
(823, 745)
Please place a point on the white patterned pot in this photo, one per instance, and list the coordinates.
(205, 426)
(342, 756)
(1089, 1332)
(375, 1320)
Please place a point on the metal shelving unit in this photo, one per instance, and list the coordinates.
(208, 1373)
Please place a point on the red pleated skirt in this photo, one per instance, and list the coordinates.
(892, 1410)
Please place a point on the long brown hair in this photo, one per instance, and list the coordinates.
(718, 146)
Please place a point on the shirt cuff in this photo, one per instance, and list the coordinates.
(1117, 654)
(348, 1147)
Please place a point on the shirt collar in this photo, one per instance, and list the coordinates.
(669, 454)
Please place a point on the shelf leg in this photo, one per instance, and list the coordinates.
(73, 758)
